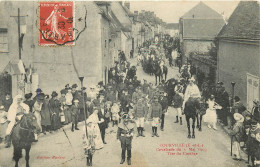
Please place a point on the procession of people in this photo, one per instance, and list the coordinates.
(127, 103)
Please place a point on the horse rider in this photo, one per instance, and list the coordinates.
(192, 90)
(125, 135)
(15, 113)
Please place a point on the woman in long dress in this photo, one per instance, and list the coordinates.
(211, 115)
(54, 107)
(95, 121)
(46, 117)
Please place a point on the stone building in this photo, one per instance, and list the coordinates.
(238, 52)
(54, 67)
(198, 28)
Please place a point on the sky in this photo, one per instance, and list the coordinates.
(171, 11)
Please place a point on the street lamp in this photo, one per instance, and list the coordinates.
(21, 32)
(84, 107)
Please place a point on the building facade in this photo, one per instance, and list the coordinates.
(238, 53)
(60, 65)
(198, 28)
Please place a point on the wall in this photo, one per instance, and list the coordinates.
(106, 60)
(55, 64)
(195, 45)
(235, 61)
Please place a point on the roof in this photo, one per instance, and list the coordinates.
(174, 26)
(117, 23)
(206, 29)
(201, 11)
(129, 13)
(201, 22)
(121, 15)
(243, 23)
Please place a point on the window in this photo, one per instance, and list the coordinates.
(105, 43)
(3, 40)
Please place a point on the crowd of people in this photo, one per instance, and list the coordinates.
(125, 100)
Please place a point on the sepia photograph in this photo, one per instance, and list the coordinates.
(129, 83)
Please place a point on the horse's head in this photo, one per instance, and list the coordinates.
(29, 121)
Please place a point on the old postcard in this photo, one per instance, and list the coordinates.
(129, 83)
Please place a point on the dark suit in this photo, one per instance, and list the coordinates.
(164, 103)
(103, 125)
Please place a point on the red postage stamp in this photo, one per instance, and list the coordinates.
(56, 23)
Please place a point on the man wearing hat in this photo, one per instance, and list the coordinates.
(238, 106)
(155, 114)
(237, 134)
(177, 104)
(164, 103)
(135, 95)
(28, 100)
(224, 102)
(140, 113)
(79, 96)
(38, 91)
(125, 135)
(125, 100)
(192, 90)
(75, 113)
(252, 143)
(75, 93)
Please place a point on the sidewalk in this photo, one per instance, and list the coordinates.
(228, 131)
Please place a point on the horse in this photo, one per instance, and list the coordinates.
(23, 135)
(131, 73)
(190, 111)
(200, 112)
(158, 71)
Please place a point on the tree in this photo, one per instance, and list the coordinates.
(212, 52)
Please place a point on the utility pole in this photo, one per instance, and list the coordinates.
(19, 33)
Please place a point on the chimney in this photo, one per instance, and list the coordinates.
(127, 4)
